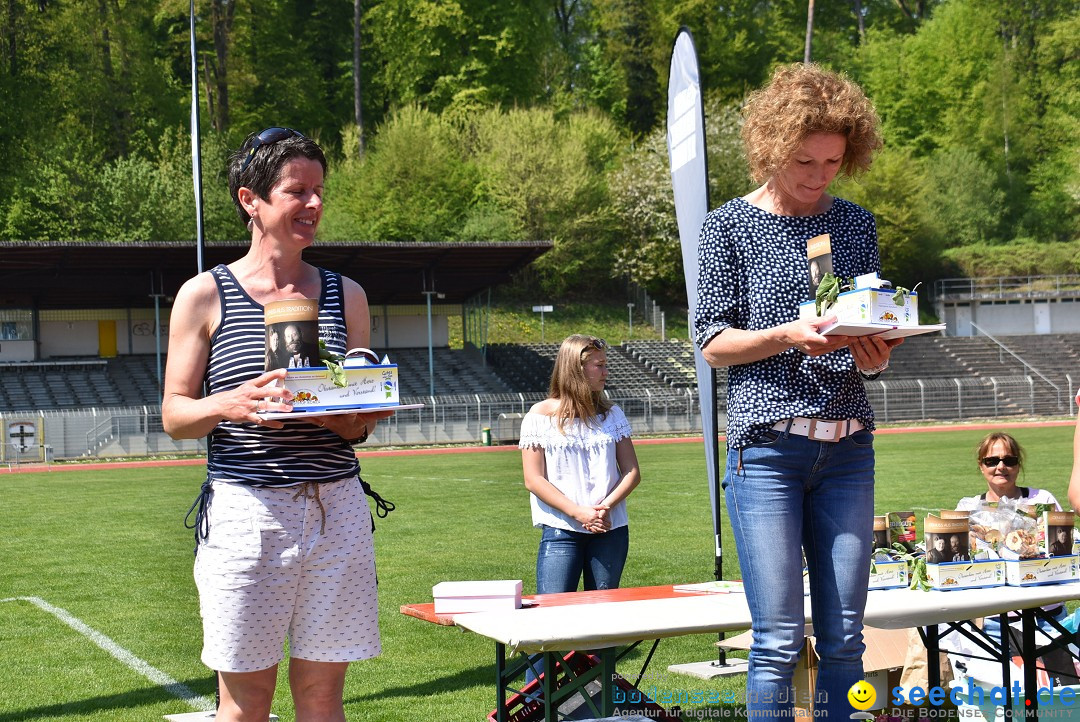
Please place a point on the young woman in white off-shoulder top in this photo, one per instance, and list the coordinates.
(579, 466)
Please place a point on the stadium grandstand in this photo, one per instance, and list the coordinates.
(78, 390)
(636, 367)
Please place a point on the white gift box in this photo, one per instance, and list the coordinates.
(891, 574)
(869, 305)
(966, 574)
(366, 386)
(1042, 570)
(479, 596)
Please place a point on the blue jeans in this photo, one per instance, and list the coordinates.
(784, 492)
(567, 555)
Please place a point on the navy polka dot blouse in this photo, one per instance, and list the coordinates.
(752, 275)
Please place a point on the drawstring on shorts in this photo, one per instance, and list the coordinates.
(310, 490)
(382, 506)
(201, 507)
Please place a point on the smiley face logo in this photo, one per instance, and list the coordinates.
(862, 695)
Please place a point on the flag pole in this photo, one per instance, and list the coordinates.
(196, 154)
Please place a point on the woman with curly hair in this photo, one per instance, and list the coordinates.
(800, 461)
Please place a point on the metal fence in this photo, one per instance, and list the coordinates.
(37, 436)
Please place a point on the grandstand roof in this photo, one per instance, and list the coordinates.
(76, 274)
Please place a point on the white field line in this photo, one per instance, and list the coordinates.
(196, 701)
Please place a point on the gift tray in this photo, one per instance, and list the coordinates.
(299, 414)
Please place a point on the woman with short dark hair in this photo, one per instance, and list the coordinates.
(283, 527)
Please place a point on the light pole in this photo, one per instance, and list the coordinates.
(430, 351)
(542, 310)
(630, 319)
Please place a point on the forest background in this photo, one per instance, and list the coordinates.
(479, 120)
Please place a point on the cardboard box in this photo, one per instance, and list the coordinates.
(890, 575)
(869, 305)
(966, 575)
(366, 386)
(883, 661)
(1048, 570)
(480, 596)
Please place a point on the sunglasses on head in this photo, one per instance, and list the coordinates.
(992, 461)
(268, 137)
(598, 343)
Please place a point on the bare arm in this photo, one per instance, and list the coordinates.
(629, 473)
(185, 412)
(1074, 480)
(534, 467)
(629, 476)
(734, 346)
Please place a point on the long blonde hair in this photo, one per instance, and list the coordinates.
(569, 385)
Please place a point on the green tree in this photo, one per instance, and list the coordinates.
(470, 53)
(412, 185)
(1054, 210)
(549, 174)
(626, 33)
(649, 250)
(961, 197)
(907, 243)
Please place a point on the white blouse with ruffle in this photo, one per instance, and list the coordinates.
(580, 463)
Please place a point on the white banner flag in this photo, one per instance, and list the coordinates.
(689, 180)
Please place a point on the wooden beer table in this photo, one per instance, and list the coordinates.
(614, 621)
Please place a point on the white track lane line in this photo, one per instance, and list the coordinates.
(196, 701)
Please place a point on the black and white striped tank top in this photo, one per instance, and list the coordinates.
(256, 455)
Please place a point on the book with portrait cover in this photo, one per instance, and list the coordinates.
(882, 537)
(818, 260)
(1057, 532)
(946, 540)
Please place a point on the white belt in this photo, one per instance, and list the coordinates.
(819, 429)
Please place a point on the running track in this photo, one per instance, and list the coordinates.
(33, 468)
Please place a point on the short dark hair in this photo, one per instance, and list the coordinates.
(264, 170)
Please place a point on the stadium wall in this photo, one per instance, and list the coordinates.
(49, 334)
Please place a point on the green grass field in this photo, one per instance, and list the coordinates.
(109, 548)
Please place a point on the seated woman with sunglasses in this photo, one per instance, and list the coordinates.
(283, 529)
(579, 465)
(1000, 458)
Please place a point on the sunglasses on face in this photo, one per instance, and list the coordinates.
(268, 137)
(991, 461)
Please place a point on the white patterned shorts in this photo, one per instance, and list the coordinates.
(271, 567)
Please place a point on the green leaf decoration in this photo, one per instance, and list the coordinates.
(333, 364)
(827, 292)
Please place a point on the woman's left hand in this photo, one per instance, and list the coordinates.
(352, 426)
(601, 522)
(871, 353)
